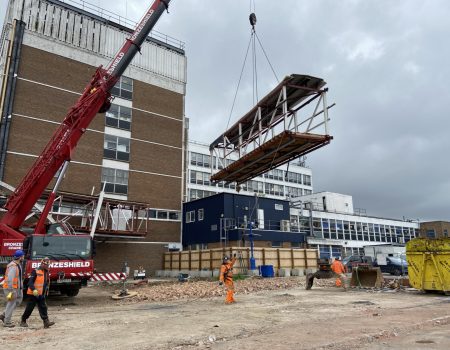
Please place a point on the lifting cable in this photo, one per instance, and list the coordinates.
(253, 39)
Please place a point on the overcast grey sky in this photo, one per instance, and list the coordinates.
(387, 67)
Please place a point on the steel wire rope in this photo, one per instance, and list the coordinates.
(255, 70)
(239, 83)
(267, 58)
(252, 42)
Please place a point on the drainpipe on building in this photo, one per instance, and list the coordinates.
(10, 88)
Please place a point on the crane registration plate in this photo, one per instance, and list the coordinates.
(64, 280)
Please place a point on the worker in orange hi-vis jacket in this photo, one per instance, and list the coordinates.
(226, 276)
(339, 269)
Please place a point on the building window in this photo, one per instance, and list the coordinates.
(293, 192)
(200, 214)
(190, 216)
(255, 186)
(174, 215)
(295, 245)
(199, 178)
(273, 189)
(306, 192)
(117, 148)
(278, 206)
(445, 233)
(201, 160)
(123, 88)
(307, 180)
(277, 244)
(431, 234)
(294, 177)
(159, 214)
(275, 174)
(115, 180)
(118, 117)
(162, 215)
(197, 194)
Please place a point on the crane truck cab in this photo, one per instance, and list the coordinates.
(71, 256)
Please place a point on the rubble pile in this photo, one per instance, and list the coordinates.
(195, 289)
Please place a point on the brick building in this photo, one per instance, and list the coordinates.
(435, 229)
(49, 51)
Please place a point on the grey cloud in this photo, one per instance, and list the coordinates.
(386, 64)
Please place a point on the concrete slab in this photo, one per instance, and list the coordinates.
(297, 272)
(253, 272)
(286, 272)
(206, 274)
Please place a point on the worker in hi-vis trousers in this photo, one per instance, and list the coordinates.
(226, 276)
(339, 269)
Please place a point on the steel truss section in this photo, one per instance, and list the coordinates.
(277, 130)
(116, 219)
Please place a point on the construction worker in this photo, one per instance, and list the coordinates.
(339, 269)
(38, 286)
(12, 287)
(226, 276)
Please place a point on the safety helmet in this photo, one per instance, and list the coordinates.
(225, 258)
(45, 261)
(18, 254)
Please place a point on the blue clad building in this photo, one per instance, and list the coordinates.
(224, 219)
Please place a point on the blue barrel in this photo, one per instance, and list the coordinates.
(266, 270)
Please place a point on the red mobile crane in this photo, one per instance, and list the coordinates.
(71, 254)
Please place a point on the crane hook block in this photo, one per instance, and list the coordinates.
(252, 19)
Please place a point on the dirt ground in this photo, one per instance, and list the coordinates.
(282, 316)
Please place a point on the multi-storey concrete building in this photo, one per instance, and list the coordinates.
(49, 51)
(287, 181)
(335, 228)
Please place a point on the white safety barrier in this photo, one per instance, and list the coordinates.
(97, 277)
(107, 277)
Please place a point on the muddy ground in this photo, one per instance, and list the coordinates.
(285, 316)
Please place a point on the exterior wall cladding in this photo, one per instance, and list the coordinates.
(225, 215)
(52, 74)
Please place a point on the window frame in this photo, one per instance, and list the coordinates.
(116, 186)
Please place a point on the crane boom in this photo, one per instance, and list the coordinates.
(95, 98)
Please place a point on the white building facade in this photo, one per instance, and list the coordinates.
(287, 181)
(332, 226)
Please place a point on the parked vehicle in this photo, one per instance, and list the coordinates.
(381, 251)
(354, 260)
(394, 265)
